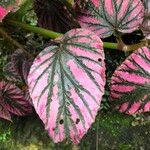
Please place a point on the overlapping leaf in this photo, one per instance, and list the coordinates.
(53, 15)
(130, 84)
(18, 68)
(105, 17)
(66, 84)
(12, 101)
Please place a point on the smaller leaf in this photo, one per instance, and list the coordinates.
(11, 74)
(13, 101)
(18, 68)
(107, 17)
(130, 84)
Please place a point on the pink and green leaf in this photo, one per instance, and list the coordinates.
(12, 100)
(130, 84)
(105, 17)
(66, 84)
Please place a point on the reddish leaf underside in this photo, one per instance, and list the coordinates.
(12, 101)
(66, 84)
(130, 84)
(105, 17)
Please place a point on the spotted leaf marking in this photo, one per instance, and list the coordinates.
(66, 84)
(130, 84)
(105, 17)
(12, 101)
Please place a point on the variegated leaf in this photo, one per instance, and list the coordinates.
(105, 17)
(130, 84)
(11, 74)
(18, 68)
(12, 100)
(66, 84)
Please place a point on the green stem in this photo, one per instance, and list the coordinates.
(44, 32)
(53, 35)
(123, 47)
(110, 45)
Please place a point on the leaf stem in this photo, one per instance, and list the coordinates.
(110, 45)
(42, 31)
(54, 35)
